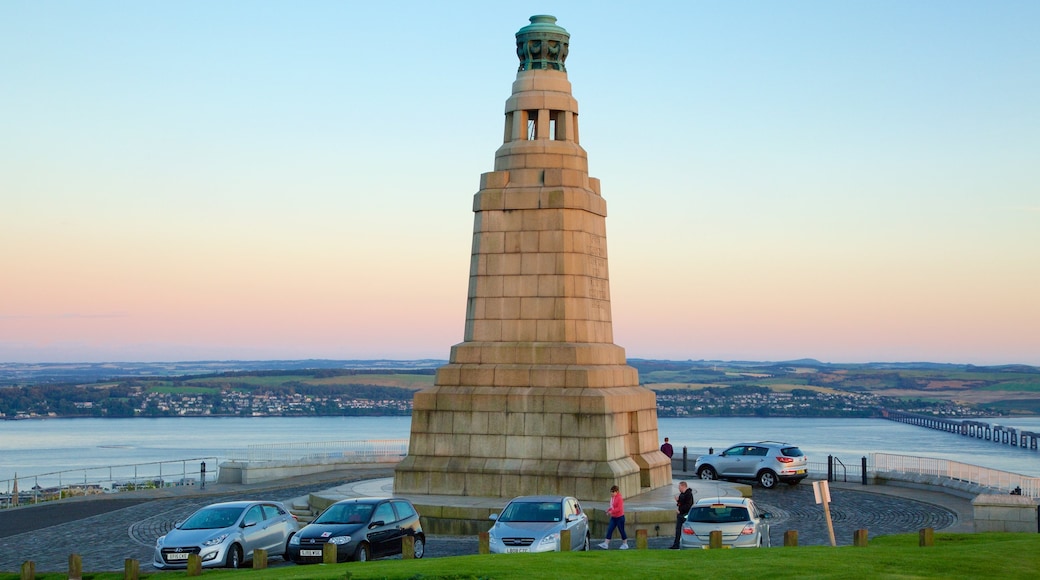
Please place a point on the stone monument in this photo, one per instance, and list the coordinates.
(537, 399)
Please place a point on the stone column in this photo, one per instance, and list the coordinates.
(537, 399)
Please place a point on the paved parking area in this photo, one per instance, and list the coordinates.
(115, 528)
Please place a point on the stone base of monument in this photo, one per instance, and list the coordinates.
(446, 515)
(509, 441)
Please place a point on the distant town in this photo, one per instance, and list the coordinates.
(309, 388)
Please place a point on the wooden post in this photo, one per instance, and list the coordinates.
(131, 569)
(565, 540)
(822, 493)
(791, 539)
(408, 548)
(483, 543)
(28, 570)
(859, 538)
(75, 567)
(259, 559)
(926, 537)
(194, 565)
(328, 553)
(715, 539)
(641, 541)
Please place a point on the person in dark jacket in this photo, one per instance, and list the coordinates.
(683, 503)
(667, 448)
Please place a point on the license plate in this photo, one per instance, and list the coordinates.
(516, 550)
(800, 471)
(310, 553)
(177, 556)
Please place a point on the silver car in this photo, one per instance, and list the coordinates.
(738, 518)
(533, 524)
(227, 534)
(768, 462)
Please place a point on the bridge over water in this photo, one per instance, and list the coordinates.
(976, 429)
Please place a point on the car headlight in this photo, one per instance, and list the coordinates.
(339, 540)
(295, 540)
(216, 540)
(492, 539)
(159, 541)
(553, 538)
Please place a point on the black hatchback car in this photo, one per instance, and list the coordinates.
(361, 529)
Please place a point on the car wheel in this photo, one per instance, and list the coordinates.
(707, 472)
(234, 557)
(420, 547)
(587, 544)
(363, 553)
(767, 479)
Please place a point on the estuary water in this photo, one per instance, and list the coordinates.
(36, 446)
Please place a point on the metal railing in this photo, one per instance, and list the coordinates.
(1004, 481)
(371, 451)
(106, 479)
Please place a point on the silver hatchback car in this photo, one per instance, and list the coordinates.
(226, 534)
(738, 518)
(533, 524)
(768, 462)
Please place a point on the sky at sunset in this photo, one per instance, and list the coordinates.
(845, 181)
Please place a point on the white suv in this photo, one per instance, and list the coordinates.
(768, 462)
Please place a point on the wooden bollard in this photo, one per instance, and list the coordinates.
(791, 539)
(75, 567)
(28, 570)
(259, 559)
(565, 540)
(484, 543)
(131, 569)
(926, 537)
(194, 565)
(408, 548)
(641, 541)
(328, 553)
(715, 539)
(859, 538)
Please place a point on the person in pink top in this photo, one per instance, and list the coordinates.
(616, 511)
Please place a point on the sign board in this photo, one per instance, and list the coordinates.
(821, 491)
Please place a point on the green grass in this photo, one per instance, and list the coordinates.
(1004, 556)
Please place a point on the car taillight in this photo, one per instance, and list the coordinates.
(783, 459)
(748, 530)
(687, 530)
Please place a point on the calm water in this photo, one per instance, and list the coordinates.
(40, 446)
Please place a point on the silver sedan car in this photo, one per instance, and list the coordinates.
(533, 524)
(738, 518)
(227, 534)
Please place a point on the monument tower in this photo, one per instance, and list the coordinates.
(537, 399)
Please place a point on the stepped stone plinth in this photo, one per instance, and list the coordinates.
(537, 399)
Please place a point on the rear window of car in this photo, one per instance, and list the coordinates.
(404, 510)
(792, 452)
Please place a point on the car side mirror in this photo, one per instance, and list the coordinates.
(248, 524)
(493, 517)
(376, 524)
(765, 516)
(573, 518)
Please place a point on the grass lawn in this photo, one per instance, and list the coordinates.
(1003, 556)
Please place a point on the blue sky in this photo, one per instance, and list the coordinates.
(848, 181)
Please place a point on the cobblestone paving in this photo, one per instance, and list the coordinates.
(104, 541)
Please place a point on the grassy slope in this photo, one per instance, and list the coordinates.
(1004, 556)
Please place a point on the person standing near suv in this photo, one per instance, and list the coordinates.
(683, 503)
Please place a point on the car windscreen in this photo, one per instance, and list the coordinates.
(531, 511)
(346, 513)
(718, 514)
(212, 519)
